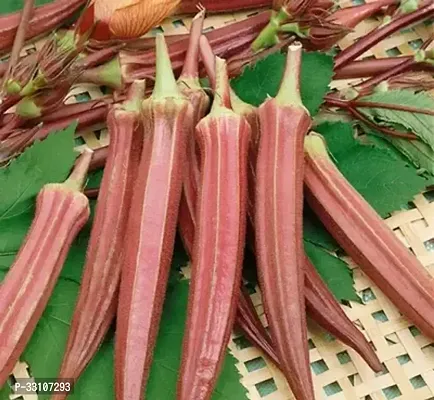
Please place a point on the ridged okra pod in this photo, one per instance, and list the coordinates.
(97, 300)
(366, 238)
(150, 236)
(190, 86)
(284, 122)
(323, 308)
(61, 212)
(223, 138)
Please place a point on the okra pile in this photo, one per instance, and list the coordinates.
(192, 157)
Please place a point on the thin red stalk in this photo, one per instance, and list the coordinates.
(390, 132)
(92, 193)
(61, 212)
(375, 36)
(86, 120)
(358, 115)
(99, 158)
(150, 236)
(10, 147)
(45, 19)
(12, 124)
(190, 6)
(20, 37)
(223, 139)
(369, 67)
(71, 110)
(367, 85)
(279, 226)
(94, 311)
(388, 106)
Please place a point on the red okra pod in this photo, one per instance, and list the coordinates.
(284, 122)
(366, 238)
(323, 308)
(95, 310)
(223, 138)
(190, 86)
(61, 212)
(150, 236)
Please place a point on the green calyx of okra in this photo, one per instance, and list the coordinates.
(165, 82)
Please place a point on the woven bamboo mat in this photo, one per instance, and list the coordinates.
(339, 373)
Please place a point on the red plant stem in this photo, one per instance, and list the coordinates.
(71, 110)
(150, 236)
(326, 311)
(92, 193)
(99, 158)
(13, 123)
(375, 36)
(388, 106)
(19, 39)
(223, 139)
(279, 226)
(374, 66)
(358, 115)
(190, 6)
(94, 311)
(86, 120)
(45, 19)
(367, 85)
(61, 212)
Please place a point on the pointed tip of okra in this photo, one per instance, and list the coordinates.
(315, 145)
(165, 82)
(208, 58)
(78, 176)
(222, 96)
(191, 63)
(289, 92)
(135, 96)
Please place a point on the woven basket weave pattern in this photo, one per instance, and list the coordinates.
(339, 373)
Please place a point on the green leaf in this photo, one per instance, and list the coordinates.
(9, 6)
(335, 273)
(263, 79)
(315, 233)
(420, 124)
(48, 161)
(383, 179)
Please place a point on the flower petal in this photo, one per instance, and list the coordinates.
(137, 19)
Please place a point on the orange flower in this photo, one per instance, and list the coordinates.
(127, 18)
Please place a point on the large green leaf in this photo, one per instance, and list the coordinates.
(385, 180)
(420, 124)
(263, 79)
(335, 273)
(44, 162)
